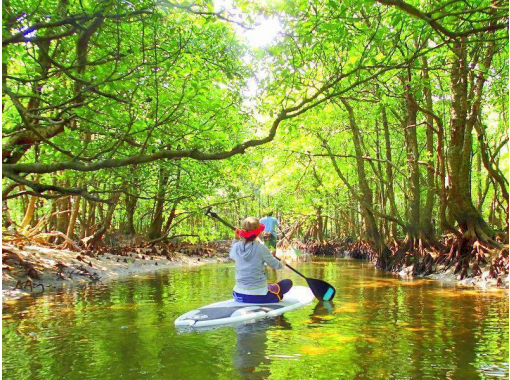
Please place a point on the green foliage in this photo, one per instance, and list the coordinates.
(153, 78)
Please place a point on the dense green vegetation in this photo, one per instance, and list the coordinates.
(380, 121)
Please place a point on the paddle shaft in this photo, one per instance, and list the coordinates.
(224, 222)
(294, 270)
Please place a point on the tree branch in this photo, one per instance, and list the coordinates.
(40, 188)
(142, 159)
(409, 9)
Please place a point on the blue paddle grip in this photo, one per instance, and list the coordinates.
(328, 295)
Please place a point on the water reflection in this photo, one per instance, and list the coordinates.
(322, 313)
(377, 327)
(251, 359)
(324, 308)
(250, 351)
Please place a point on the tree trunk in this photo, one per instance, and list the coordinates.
(83, 219)
(93, 240)
(100, 212)
(384, 224)
(157, 220)
(92, 217)
(366, 193)
(411, 143)
(470, 222)
(320, 225)
(173, 211)
(427, 223)
(52, 225)
(130, 202)
(74, 215)
(389, 174)
(64, 209)
(29, 213)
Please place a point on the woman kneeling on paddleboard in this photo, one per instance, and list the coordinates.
(250, 256)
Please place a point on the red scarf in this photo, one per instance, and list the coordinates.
(252, 233)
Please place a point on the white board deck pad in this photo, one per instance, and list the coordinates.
(230, 311)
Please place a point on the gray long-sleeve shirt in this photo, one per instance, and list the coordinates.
(250, 258)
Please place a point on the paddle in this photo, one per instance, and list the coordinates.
(320, 289)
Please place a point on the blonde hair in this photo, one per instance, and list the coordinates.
(250, 223)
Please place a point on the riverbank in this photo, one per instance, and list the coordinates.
(447, 275)
(32, 269)
(480, 275)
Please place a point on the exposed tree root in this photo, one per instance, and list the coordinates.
(316, 248)
(8, 255)
(466, 257)
(361, 250)
(68, 243)
(41, 239)
(29, 283)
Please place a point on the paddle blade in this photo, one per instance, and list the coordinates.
(321, 289)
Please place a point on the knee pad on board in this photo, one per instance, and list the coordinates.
(285, 285)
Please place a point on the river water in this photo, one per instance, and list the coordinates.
(378, 327)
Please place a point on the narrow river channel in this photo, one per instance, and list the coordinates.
(379, 327)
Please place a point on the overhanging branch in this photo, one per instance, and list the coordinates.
(40, 188)
(195, 154)
(427, 17)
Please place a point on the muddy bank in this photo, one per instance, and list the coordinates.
(447, 275)
(32, 269)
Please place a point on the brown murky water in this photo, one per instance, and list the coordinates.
(378, 327)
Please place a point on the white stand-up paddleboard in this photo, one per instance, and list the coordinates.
(230, 311)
